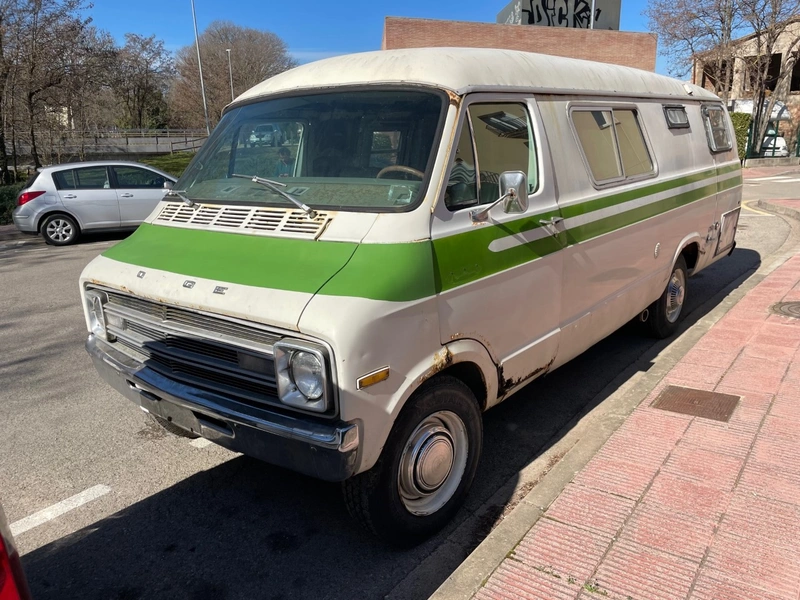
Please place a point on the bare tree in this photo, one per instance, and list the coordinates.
(776, 27)
(144, 69)
(255, 56)
(689, 28)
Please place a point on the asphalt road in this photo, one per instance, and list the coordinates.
(168, 518)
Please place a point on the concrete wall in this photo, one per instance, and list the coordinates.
(625, 48)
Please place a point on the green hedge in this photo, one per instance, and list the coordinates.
(741, 125)
(8, 201)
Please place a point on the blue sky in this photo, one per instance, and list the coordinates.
(311, 28)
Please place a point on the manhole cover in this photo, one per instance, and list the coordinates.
(698, 403)
(787, 309)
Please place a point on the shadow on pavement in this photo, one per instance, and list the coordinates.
(245, 529)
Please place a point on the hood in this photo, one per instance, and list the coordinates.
(267, 279)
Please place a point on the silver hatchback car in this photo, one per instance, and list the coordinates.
(62, 201)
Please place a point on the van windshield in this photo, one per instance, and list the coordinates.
(357, 150)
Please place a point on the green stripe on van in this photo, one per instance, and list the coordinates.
(391, 272)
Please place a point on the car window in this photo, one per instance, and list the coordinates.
(134, 177)
(462, 187)
(89, 178)
(632, 149)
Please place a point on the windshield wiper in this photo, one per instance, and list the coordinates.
(181, 194)
(276, 186)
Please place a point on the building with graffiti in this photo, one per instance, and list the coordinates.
(575, 14)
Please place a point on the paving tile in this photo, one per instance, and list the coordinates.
(714, 585)
(713, 358)
(637, 449)
(656, 425)
(725, 438)
(562, 549)
(786, 407)
(590, 509)
(755, 374)
(698, 374)
(710, 468)
(770, 481)
(622, 478)
(780, 429)
(769, 352)
(513, 580)
(747, 559)
(750, 399)
(768, 521)
(642, 573)
(688, 497)
(668, 531)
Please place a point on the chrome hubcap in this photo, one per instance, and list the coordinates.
(433, 463)
(59, 230)
(676, 292)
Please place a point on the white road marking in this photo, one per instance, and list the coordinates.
(58, 509)
(201, 442)
(773, 178)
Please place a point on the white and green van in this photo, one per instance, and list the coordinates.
(437, 228)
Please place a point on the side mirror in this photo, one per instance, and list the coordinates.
(167, 184)
(513, 193)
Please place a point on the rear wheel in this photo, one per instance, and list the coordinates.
(665, 313)
(60, 230)
(426, 467)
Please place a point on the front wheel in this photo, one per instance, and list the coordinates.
(665, 313)
(426, 467)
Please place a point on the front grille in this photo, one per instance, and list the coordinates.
(198, 349)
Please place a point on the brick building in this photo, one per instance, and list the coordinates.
(625, 48)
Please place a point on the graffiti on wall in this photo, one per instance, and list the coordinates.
(559, 13)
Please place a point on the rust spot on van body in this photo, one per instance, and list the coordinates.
(507, 385)
(441, 360)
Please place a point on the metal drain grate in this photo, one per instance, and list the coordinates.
(787, 309)
(698, 403)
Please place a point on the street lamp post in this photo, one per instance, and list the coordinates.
(230, 70)
(200, 67)
(591, 17)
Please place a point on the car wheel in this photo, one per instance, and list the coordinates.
(426, 467)
(60, 230)
(666, 312)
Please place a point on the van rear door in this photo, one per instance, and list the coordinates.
(721, 144)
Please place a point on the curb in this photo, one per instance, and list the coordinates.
(8, 244)
(595, 427)
(779, 209)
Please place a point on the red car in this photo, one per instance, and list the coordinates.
(12, 580)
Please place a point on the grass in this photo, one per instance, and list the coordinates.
(174, 164)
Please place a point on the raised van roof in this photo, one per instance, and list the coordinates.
(462, 70)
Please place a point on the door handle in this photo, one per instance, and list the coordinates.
(70, 196)
(127, 195)
(552, 221)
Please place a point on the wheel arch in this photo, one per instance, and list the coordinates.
(57, 211)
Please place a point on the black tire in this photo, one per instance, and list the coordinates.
(663, 322)
(374, 498)
(174, 429)
(60, 230)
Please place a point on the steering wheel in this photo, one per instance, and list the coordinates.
(401, 169)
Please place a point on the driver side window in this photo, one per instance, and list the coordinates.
(501, 136)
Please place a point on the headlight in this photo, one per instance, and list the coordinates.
(95, 300)
(307, 374)
(302, 375)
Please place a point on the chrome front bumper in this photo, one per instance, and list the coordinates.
(326, 450)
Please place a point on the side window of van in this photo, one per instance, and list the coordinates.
(716, 128)
(613, 144)
(494, 138)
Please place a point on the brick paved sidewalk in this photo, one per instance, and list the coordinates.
(675, 506)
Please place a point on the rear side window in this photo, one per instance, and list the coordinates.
(90, 178)
(716, 125)
(613, 144)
